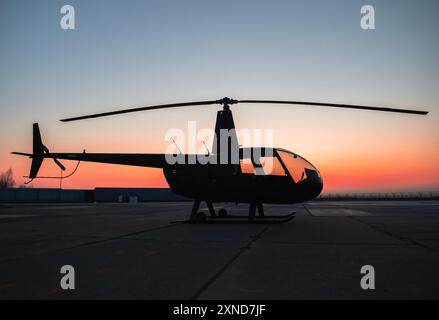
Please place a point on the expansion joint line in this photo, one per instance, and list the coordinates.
(229, 263)
(307, 210)
(397, 237)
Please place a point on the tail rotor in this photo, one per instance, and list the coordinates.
(39, 152)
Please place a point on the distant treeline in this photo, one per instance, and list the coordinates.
(431, 195)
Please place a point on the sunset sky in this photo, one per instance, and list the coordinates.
(135, 53)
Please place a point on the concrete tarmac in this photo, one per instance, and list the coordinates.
(144, 251)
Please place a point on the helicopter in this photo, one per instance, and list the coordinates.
(230, 173)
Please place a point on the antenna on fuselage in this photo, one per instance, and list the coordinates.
(208, 151)
(176, 145)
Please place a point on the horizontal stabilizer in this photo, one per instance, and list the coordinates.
(23, 154)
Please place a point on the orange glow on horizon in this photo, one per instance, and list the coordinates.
(350, 159)
(397, 173)
(92, 175)
(337, 177)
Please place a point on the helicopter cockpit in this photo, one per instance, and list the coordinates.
(299, 168)
(278, 162)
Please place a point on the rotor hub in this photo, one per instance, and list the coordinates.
(226, 101)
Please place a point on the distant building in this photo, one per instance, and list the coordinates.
(135, 195)
(44, 195)
(123, 195)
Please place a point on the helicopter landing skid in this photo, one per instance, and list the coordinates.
(232, 219)
(223, 217)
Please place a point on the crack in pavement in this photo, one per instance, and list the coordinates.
(397, 237)
(307, 210)
(123, 236)
(378, 229)
(210, 281)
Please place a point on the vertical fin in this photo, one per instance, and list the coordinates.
(38, 152)
(38, 146)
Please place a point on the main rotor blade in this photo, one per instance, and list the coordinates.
(228, 101)
(161, 106)
(335, 105)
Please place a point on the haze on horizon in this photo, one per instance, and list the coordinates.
(141, 53)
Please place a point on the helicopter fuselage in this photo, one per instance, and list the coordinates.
(281, 178)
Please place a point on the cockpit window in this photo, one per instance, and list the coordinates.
(247, 166)
(296, 165)
(269, 166)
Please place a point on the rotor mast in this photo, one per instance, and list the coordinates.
(225, 142)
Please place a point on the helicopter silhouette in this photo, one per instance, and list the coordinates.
(228, 174)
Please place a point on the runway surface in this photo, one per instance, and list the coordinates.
(142, 251)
